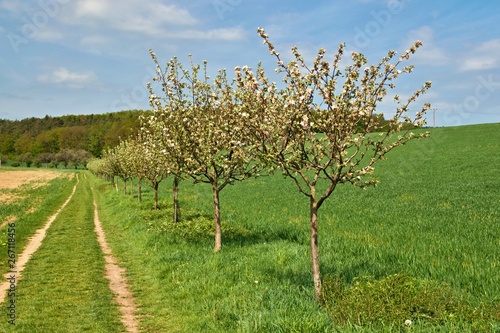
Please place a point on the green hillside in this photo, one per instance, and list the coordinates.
(423, 246)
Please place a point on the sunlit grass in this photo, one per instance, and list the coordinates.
(63, 288)
(434, 217)
(30, 210)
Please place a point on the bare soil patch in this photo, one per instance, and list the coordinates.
(7, 198)
(117, 280)
(14, 179)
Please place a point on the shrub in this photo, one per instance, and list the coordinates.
(400, 300)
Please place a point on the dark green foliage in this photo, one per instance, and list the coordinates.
(50, 135)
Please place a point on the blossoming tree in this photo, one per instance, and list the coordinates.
(118, 163)
(321, 129)
(146, 162)
(199, 125)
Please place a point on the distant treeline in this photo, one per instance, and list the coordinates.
(66, 139)
(71, 140)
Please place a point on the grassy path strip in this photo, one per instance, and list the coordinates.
(117, 280)
(63, 287)
(9, 219)
(31, 248)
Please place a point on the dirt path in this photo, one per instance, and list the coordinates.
(113, 272)
(33, 245)
(117, 280)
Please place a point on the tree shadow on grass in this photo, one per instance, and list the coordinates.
(197, 227)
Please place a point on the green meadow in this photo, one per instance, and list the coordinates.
(418, 253)
(423, 246)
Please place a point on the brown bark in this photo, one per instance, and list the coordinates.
(156, 195)
(314, 249)
(177, 213)
(218, 232)
(139, 192)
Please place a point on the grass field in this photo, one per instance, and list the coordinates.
(433, 220)
(63, 288)
(423, 246)
(29, 205)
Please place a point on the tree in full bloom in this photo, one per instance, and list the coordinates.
(198, 124)
(322, 129)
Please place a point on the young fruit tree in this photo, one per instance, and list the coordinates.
(166, 127)
(114, 168)
(322, 129)
(199, 124)
(137, 162)
(120, 159)
(146, 162)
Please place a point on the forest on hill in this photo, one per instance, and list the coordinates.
(68, 140)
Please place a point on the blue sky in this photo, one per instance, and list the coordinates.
(63, 57)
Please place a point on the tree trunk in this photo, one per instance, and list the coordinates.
(314, 249)
(139, 191)
(218, 237)
(177, 213)
(156, 195)
(125, 187)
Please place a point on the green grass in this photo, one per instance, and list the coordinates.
(63, 288)
(433, 219)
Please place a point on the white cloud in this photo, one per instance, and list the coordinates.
(214, 34)
(483, 56)
(429, 54)
(149, 17)
(478, 63)
(71, 79)
(10, 5)
(92, 40)
(153, 18)
(48, 35)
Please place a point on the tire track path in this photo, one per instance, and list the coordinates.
(117, 279)
(32, 247)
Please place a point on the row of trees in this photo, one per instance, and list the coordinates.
(66, 157)
(318, 127)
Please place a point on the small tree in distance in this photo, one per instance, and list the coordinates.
(148, 163)
(321, 129)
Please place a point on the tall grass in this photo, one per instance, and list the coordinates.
(433, 222)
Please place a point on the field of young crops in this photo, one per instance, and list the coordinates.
(418, 253)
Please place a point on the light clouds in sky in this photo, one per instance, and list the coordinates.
(60, 52)
(483, 56)
(63, 76)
